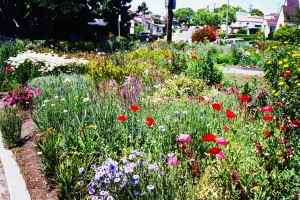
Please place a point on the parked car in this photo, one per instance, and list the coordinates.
(235, 41)
(145, 36)
(159, 35)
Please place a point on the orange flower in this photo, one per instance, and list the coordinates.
(287, 73)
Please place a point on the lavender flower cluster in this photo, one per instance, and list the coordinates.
(113, 176)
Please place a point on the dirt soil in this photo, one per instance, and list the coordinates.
(29, 162)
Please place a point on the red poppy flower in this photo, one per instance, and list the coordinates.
(267, 133)
(209, 138)
(244, 97)
(150, 121)
(295, 123)
(214, 150)
(267, 109)
(200, 59)
(287, 73)
(201, 99)
(252, 118)
(134, 108)
(194, 57)
(230, 114)
(122, 118)
(268, 118)
(217, 106)
(219, 85)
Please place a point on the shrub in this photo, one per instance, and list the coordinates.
(207, 32)
(10, 126)
(286, 33)
(242, 31)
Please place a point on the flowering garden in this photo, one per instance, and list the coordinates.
(158, 121)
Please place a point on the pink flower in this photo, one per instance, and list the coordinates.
(220, 155)
(226, 128)
(38, 91)
(173, 161)
(221, 141)
(184, 138)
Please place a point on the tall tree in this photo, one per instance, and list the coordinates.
(142, 8)
(231, 14)
(184, 15)
(256, 12)
(110, 10)
(204, 17)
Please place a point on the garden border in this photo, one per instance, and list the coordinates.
(15, 182)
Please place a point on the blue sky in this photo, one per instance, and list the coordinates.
(158, 6)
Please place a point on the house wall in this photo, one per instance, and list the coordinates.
(280, 21)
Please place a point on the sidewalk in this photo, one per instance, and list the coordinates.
(243, 71)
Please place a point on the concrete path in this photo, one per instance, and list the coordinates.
(243, 71)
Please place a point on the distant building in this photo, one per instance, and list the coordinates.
(287, 13)
(147, 21)
(269, 23)
(245, 21)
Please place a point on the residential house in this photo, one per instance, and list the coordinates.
(147, 22)
(287, 13)
(245, 21)
(269, 23)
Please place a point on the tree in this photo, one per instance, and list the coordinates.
(204, 17)
(231, 13)
(183, 15)
(110, 10)
(142, 8)
(256, 12)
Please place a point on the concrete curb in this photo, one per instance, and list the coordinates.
(16, 185)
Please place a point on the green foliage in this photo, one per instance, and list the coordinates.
(242, 31)
(256, 12)
(207, 32)
(138, 28)
(10, 126)
(142, 8)
(222, 11)
(204, 17)
(286, 33)
(183, 15)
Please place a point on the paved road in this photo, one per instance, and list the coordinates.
(243, 71)
(183, 36)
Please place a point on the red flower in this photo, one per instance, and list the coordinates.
(219, 85)
(244, 97)
(268, 118)
(252, 118)
(230, 114)
(214, 150)
(217, 106)
(122, 118)
(150, 121)
(194, 57)
(295, 123)
(267, 133)
(201, 99)
(287, 73)
(8, 69)
(267, 109)
(209, 138)
(134, 108)
(200, 59)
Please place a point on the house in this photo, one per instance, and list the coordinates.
(147, 21)
(269, 23)
(287, 13)
(245, 21)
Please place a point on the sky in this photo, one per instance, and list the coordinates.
(158, 6)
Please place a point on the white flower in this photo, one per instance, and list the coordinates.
(66, 111)
(86, 99)
(52, 105)
(67, 80)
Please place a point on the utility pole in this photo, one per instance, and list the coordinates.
(250, 8)
(227, 19)
(214, 7)
(170, 20)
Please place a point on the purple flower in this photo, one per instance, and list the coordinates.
(150, 187)
(91, 191)
(136, 193)
(81, 170)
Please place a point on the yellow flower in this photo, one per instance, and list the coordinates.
(285, 60)
(274, 47)
(299, 70)
(269, 62)
(276, 95)
(273, 91)
(281, 83)
(280, 62)
(298, 84)
(285, 65)
(91, 126)
(295, 55)
(285, 42)
(59, 135)
(49, 129)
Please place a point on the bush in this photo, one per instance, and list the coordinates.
(10, 126)
(207, 32)
(286, 33)
(242, 31)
